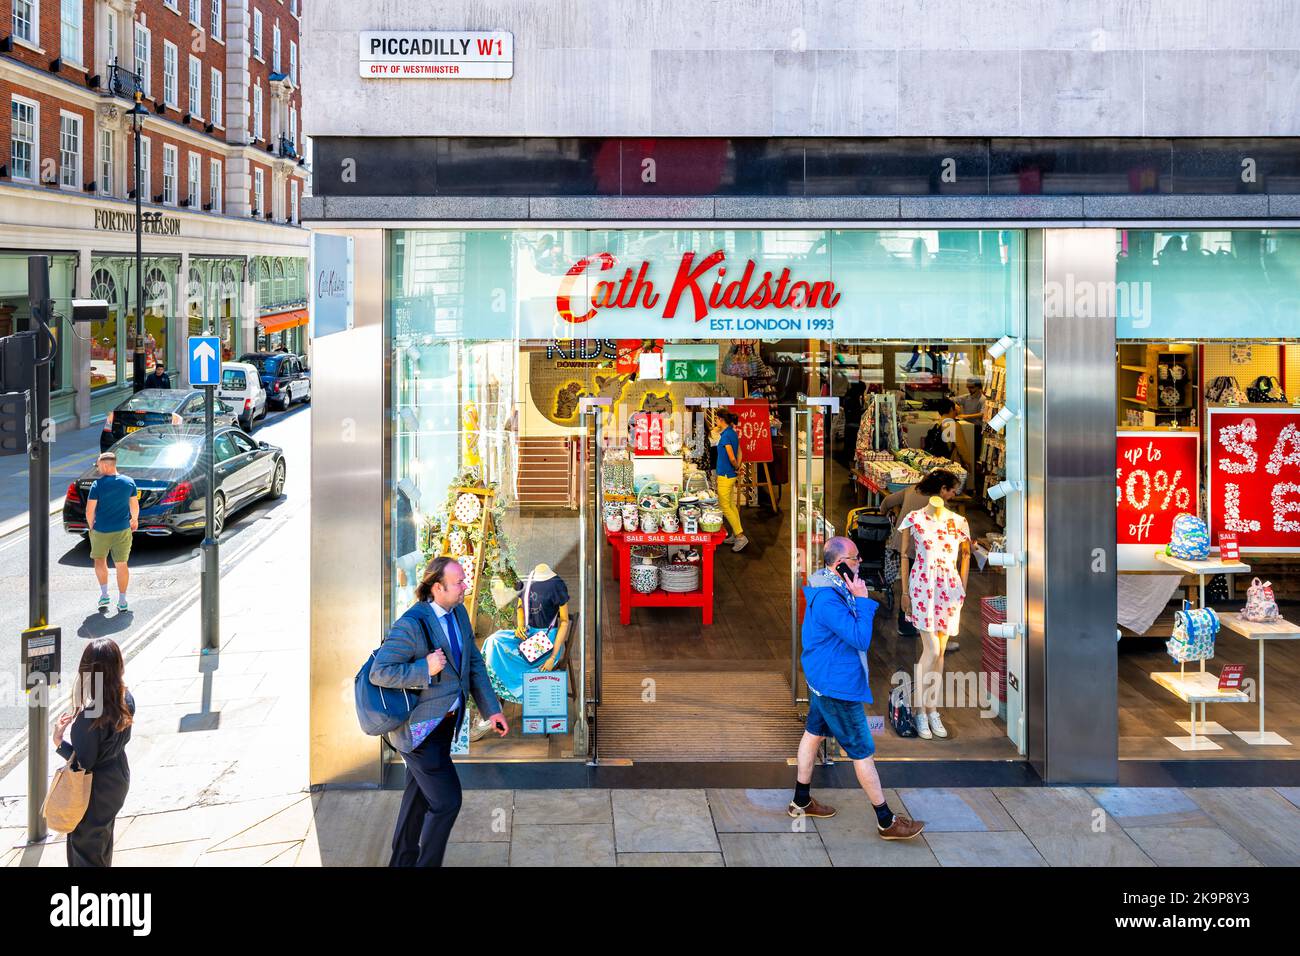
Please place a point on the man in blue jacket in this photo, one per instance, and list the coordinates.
(836, 637)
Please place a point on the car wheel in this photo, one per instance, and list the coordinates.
(277, 481)
(218, 514)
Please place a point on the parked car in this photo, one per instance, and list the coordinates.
(242, 387)
(284, 376)
(160, 406)
(168, 465)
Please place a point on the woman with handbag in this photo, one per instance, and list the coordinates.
(93, 740)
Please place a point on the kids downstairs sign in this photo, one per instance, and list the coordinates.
(417, 55)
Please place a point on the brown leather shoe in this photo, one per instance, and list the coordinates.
(902, 828)
(814, 809)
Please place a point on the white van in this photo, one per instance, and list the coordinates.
(242, 387)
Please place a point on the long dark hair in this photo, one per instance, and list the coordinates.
(432, 575)
(729, 417)
(936, 481)
(100, 684)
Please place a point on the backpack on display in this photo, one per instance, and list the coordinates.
(1194, 631)
(1224, 389)
(1265, 389)
(1260, 604)
(900, 715)
(1190, 539)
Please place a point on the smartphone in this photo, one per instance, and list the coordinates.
(844, 571)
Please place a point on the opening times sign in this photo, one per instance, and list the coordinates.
(411, 54)
(1253, 477)
(1156, 478)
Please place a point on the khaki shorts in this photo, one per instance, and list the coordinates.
(116, 543)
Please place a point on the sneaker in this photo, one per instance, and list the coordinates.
(480, 729)
(922, 725)
(905, 627)
(121, 603)
(902, 828)
(103, 600)
(741, 541)
(814, 809)
(936, 725)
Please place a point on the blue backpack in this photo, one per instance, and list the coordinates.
(381, 709)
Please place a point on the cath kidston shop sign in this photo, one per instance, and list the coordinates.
(1253, 477)
(416, 55)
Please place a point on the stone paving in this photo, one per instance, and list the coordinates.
(225, 785)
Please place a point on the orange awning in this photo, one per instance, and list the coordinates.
(283, 320)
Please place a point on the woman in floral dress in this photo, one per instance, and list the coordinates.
(936, 561)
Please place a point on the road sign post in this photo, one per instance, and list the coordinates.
(204, 354)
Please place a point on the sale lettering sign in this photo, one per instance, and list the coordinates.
(754, 429)
(648, 433)
(1253, 477)
(1156, 478)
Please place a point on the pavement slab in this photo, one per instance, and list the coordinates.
(664, 821)
(755, 811)
(563, 806)
(670, 859)
(983, 848)
(950, 810)
(773, 849)
(1204, 847)
(485, 817)
(1150, 806)
(1069, 828)
(582, 844)
(1258, 818)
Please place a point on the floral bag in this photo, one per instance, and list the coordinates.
(1224, 389)
(1194, 633)
(1265, 389)
(1260, 604)
(1190, 539)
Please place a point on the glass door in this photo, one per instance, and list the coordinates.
(591, 554)
(810, 423)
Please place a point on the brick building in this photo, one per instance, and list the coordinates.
(222, 172)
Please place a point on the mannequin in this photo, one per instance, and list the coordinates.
(543, 606)
(935, 558)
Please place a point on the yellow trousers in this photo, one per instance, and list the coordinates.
(727, 502)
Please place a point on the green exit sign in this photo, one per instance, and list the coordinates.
(691, 370)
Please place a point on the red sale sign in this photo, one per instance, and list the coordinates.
(648, 433)
(754, 429)
(1253, 477)
(1156, 478)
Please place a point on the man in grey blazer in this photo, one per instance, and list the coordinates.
(431, 649)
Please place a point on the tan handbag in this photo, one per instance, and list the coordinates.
(68, 798)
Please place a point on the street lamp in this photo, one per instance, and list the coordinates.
(137, 114)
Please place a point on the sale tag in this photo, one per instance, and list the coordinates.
(1231, 676)
(1228, 546)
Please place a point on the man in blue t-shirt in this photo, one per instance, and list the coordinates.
(112, 516)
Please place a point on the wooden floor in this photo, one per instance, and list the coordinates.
(726, 688)
(1148, 713)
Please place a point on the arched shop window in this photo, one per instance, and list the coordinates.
(103, 344)
(277, 287)
(157, 308)
(263, 284)
(197, 299)
(228, 311)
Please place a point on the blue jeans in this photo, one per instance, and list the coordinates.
(845, 720)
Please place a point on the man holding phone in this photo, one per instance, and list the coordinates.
(836, 637)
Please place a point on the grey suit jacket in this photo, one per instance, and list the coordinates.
(401, 662)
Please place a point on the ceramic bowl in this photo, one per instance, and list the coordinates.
(645, 578)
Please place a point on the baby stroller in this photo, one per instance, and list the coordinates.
(870, 531)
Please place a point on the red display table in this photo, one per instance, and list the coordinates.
(624, 541)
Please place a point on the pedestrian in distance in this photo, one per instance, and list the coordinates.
(430, 649)
(112, 517)
(93, 738)
(158, 378)
(727, 465)
(836, 637)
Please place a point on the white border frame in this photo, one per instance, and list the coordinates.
(81, 150)
(36, 139)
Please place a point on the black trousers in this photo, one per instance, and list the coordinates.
(91, 843)
(430, 803)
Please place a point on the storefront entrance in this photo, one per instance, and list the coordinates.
(577, 478)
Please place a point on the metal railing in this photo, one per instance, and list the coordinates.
(287, 150)
(122, 82)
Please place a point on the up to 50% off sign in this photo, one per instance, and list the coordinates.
(1155, 480)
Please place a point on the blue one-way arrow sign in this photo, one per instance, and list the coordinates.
(205, 360)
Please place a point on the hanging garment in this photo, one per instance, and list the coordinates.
(934, 583)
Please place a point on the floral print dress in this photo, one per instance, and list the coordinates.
(934, 583)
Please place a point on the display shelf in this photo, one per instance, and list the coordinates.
(1208, 566)
(1198, 687)
(623, 542)
(1262, 632)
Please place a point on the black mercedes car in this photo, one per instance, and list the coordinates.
(161, 406)
(167, 463)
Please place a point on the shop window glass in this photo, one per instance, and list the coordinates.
(486, 386)
(158, 297)
(1207, 467)
(104, 335)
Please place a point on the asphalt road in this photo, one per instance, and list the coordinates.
(163, 570)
